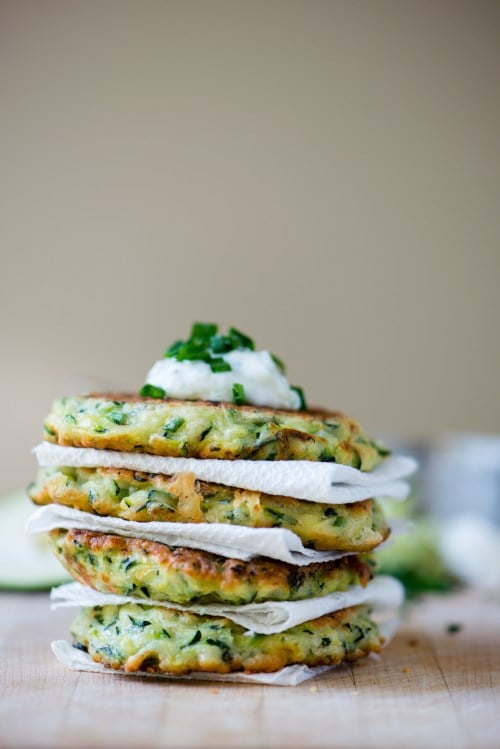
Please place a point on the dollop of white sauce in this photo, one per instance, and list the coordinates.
(263, 382)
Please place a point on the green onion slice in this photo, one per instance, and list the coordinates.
(151, 391)
(203, 331)
(300, 393)
(205, 341)
(174, 349)
(238, 394)
(218, 364)
(279, 363)
(221, 344)
(240, 340)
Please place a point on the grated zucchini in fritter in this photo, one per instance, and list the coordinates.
(154, 639)
(200, 429)
(144, 497)
(156, 572)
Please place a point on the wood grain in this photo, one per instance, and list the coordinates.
(429, 689)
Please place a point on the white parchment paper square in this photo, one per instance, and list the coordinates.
(384, 594)
(329, 483)
(233, 541)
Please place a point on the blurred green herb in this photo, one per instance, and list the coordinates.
(414, 556)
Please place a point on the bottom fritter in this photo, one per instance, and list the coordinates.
(160, 640)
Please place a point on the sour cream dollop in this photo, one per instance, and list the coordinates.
(263, 382)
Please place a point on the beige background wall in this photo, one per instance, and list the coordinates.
(323, 175)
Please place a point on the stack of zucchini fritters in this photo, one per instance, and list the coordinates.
(152, 637)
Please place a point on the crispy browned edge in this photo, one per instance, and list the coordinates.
(206, 565)
(312, 413)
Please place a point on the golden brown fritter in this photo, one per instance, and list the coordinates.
(156, 572)
(200, 429)
(143, 497)
(160, 640)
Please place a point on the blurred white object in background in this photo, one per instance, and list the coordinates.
(462, 475)
(461, 486)
(455, 508)
(470, 546)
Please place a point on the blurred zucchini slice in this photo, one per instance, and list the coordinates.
(26, 562)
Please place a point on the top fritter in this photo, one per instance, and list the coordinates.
(182, 410)
(197, 429)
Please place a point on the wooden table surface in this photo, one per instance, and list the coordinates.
(429, 689)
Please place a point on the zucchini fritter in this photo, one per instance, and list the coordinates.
(199, 429)
(154, 639)
(157, 572)
(143, 497)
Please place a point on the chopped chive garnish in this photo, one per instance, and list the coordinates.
(174, 348)
(221, 344)
(240, 340)
(190, 352)
(218, 364)
(205, 341)
(238, 394)
(300, 393)
(201, 331)
(279, 363)
(151, 391)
